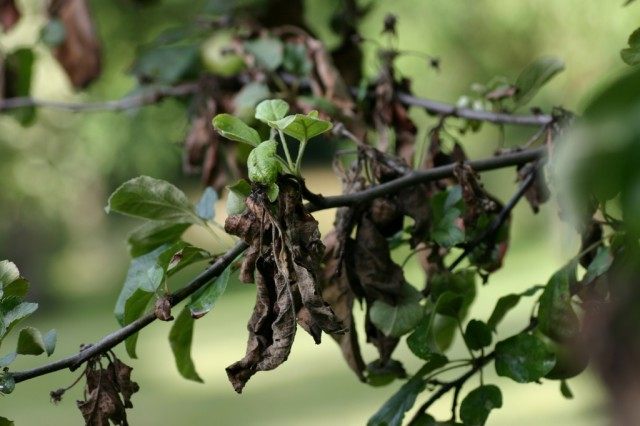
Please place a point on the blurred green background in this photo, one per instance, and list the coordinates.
(55, 178)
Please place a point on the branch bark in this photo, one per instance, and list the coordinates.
(111, 340)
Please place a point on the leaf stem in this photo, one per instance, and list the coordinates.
(285, 147)
(303, 145)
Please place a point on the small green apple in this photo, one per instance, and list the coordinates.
(218, 58)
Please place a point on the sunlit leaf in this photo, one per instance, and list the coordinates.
(303, 127)
(271, 110)
(235, 129)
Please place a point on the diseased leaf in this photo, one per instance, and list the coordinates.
(154, 234)
(506, 303)
(30, 342)
(556, 317)
(303, 127)
(236, 198)
(153, 199)
(206, 206)
(393, 411)
(263, 164)
(523, 358)
(534, 76)
(180, 338)
(267, 51)
(476, 406)
(204, 300)
(477, 335)
(398, 320)
(271, 110)
(235, 129)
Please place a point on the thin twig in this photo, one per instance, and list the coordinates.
(111, 340)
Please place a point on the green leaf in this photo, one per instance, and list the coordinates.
(556, 317)
(398, 320)
(476, 406)
(271, 110)
(167, 64)
(30, 342)
(565, 390)
(303, 127)
(506, 303)
(272, 192)
(12, 311)
(599, 265)
(18, 288)
(245, 101)
(631, 55)
(8, 273)
(145, 274)
(523, 358)
(477, 335)
(263, 163)
(534, 76)
(18, 73)
(446, 210)
(154, 234)
(134, 308)
(235, 129)
(180, 338)
(206, 206)
(179, 256)
(153, 199)
(3, 420)
(296, 59)
(381, 374)
(6, 360)
(422, 342)
(204, 300)
(267, 51)
(50, 340)
(237, 195)
(449, 304)
(393, 411)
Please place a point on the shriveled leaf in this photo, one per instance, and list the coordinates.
(203, 301)
(477, 335)
(80, 52)
(303, 127)
(30, 342)
(180, 338)
(154, 234)
(235, 129)
(506, 303)
(206, 206)
(476, 406)
(154, 199)
(523, 358)
(236, 198)
(534, 76)
(267, 51)
(263, 164)
(398, 320)
(556, 317)
(271, 110)
(144, 274)
(393, 411)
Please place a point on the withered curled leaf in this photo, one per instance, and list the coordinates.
(80, 52)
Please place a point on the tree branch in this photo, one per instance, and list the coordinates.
(117, 337)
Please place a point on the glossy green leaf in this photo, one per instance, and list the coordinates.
(303, 127)
(144, 274)
(393, 411)
(204, 300)
(534, 77)
(267, 51)
(446, 210)
(556, 317)
(271, 110)
(523, 358)
(263, 163)
(153, 199)
(400, 319)
(476, 406)
(206, 206)
(154, 234)
(30, 342)
(507, 303)
(235, 129)
(237, 195)
(180, 338)
(50, 339)
(477, 335)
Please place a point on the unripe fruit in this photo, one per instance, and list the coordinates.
(217, 57)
